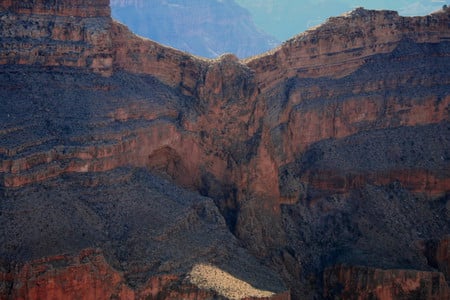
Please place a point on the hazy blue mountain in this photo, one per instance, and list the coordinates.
(286, 18)
(205, 28)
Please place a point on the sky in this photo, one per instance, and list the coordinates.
(286, 18)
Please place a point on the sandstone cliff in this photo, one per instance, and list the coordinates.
(321, 157)
(369, 283)
(55, 33)
(76, 8)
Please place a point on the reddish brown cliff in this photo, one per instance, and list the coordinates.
(89, 276)
(57, 33)
(340, 45)
(76, 8)
(330, 149)
(115, 47)
(369, 283)
(443, 256)
(142, 56)
(437, 252)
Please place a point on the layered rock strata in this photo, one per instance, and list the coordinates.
(370, 283)
(123, 233)
(340, 45)
(89, 276)
(323, 156)
(57, 33)
(76, 8)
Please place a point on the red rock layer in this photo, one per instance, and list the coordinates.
(443, 256)
(339, 46)
(438, 254)
(417, 181)
(326, 50)
(49, 38)
(341, 119)
(142, 56)
(74, 8)
(346, 282)
(89, 276)
(231, 142)
(138, 149)
(351, 116)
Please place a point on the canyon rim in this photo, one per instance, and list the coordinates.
(130, 170)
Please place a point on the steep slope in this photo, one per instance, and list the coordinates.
(81, 215)
(327, 159)
(357, 131)
(204, 28)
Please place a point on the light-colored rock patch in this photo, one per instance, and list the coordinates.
(212, 278)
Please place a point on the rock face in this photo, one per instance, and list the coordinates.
(89, 276)
(123, 233)
(369, 283)
(320, 169)
(61, 8)
(341, 45)
(55, 33)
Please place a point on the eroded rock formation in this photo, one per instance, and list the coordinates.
(75, 8)
(324, 162)
(369, 283)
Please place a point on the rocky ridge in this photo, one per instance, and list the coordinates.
(331, 150)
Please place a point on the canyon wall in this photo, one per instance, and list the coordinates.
(76, 8)
(57, 33)
(340, 45)
(370, 283)
(327, 158)
(89, 276)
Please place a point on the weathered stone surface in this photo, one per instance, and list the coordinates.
(142, 56)
(57, 33)
(344, 282)
(437, 252)
(340, 45)
(443, 256)
(151, 235)
(89, 276)
(75, 8)
(332, 149)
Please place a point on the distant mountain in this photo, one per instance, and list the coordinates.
(204, 28)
